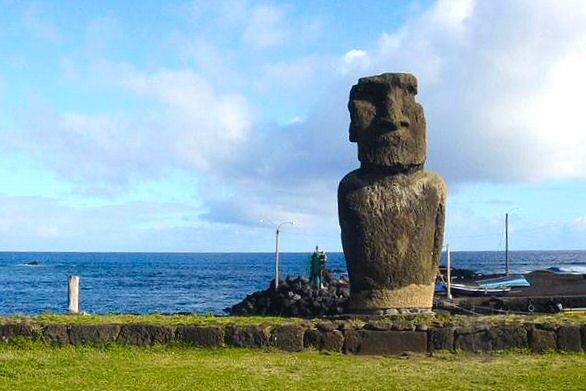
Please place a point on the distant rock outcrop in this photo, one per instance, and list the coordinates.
(391, 211)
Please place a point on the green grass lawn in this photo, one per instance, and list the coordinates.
(158, 319)
(31, 366)
(50, 318)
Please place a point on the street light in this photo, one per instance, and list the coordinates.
(507, 240)
(277, 249)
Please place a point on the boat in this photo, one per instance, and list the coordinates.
(511, 281)
(476, 290)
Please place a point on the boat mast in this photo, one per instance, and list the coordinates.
(507, 244)
(449, 272)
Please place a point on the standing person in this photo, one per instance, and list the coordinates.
(323, 258)
(316, 268)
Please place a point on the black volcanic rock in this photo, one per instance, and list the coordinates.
(296, 297)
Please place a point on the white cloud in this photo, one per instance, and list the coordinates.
(581, 222)
(192, 127)
(100, 33)
(37, 20)
(266, 27)
(500, 83)
(355, 60)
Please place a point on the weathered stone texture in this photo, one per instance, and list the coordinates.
(568, 338)
(84, 334)
(509, 337)
(389, 235)
(324, 340)
(288, 338)
(56, 334)
(10, 331)
(384, 342)
(473, 340)
(541, 341)
(440, 338)
(206, 337)
(386, 121)
(391, 212)
(247, 336)
(139, 334)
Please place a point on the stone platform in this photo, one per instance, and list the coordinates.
(382, 336)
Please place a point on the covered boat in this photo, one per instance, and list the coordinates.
(511, 281)
(476, 290)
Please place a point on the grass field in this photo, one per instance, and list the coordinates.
(31, 366)
(251, 320)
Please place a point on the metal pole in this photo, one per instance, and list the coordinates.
(507, 244)
(449, 262)
(277, 259)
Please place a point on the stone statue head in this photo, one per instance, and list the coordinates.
(387, 123)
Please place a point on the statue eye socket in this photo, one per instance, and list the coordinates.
(364, 106)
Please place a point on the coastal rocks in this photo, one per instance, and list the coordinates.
(296, 297)
(391, 212)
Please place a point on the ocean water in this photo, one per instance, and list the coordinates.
(191, 282)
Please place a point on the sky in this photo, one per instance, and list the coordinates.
(179, 125)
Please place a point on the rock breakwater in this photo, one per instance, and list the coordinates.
(296, 297)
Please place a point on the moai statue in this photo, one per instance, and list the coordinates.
(391, 211)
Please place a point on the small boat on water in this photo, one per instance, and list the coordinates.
(476, 290)
(471, 290)
(511, 281)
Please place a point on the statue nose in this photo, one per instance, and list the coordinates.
(393, 117)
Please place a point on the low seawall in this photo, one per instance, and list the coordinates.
(375, 337)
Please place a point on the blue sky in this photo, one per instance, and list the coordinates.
(177, 126)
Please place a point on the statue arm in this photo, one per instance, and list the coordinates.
(439, 231)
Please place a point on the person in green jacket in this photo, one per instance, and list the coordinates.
(318, 261)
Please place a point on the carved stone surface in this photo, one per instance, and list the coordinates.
(391, 211)
(386, 121)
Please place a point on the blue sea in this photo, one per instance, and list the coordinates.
(191, 282)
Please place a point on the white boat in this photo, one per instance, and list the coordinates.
(514, 280)
(475, 290)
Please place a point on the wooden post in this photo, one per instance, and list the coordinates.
(277, 259)
(73, 284)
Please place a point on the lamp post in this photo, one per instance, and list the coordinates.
(277, 261)
(507, 241)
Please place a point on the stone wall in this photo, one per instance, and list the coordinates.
(374, 337)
